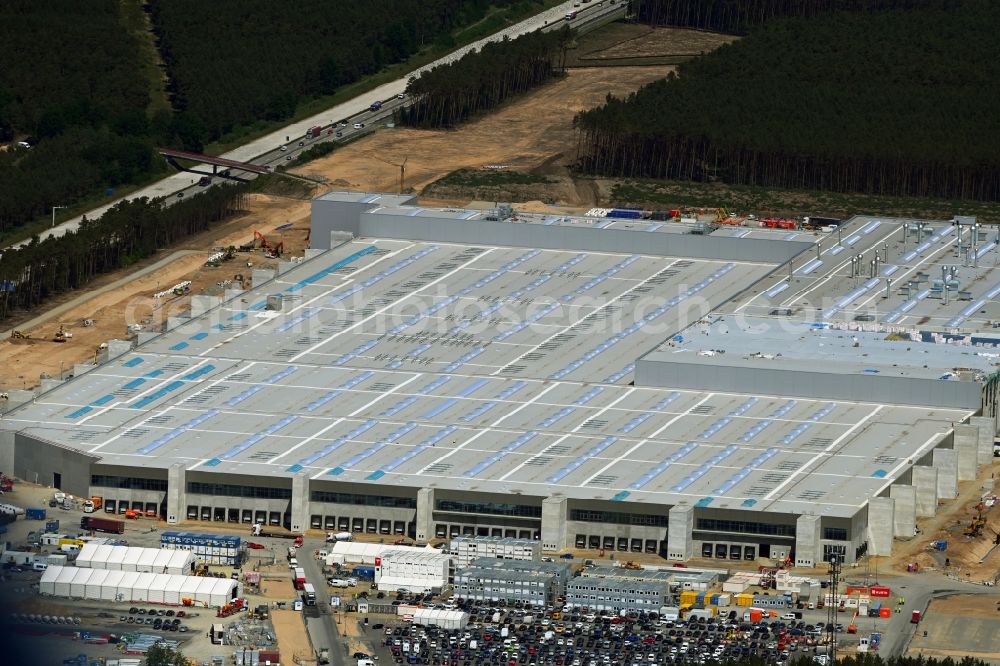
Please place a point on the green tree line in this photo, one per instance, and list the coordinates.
(68, 81)
(233, 62)
(738, 16)
(878, 103)
(484, 79)
(72, 82)
(128, 232)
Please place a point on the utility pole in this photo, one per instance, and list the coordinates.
(54, 208)
(831, 612)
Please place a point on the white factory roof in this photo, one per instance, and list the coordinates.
(397, 363)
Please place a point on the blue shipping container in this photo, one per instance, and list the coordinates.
(34, 514)
(52, 526)
(364, 572)
(626, 213)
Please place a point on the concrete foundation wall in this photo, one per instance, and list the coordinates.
(680, 540)
(554, 515)
(904, 523)
(49, 464)
(987, 435)
(925, 482)
(946, 463)
(653, 371)
(967, 448)
(807, 541)
(425, 514)
(881, 521)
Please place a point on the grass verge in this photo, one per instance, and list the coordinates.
(762, 200)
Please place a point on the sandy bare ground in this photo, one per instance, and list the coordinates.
(23, 361)
(293, 641)
(662, 42)
(535, 131)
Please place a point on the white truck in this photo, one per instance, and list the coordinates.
(338, 536)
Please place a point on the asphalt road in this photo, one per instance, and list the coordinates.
(320, 620)
(265, 150)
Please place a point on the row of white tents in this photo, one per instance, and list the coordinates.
(134, 586)
(132, 558)
(356, 552)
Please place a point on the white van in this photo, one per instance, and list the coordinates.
(39, 566)
(293, 563)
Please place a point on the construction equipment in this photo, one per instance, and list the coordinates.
(18, 335)
(977, 523)
(631, 565)
(61, 335)
(275, 251)
(402, 169)
(180, 291)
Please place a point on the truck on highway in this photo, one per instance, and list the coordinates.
(314, 132)
(102, 525)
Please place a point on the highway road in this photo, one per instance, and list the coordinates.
(266, 150)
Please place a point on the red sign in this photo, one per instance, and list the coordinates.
(878, 591)
(378, 563)
(856, 589)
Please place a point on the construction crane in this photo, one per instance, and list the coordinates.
(401, 165)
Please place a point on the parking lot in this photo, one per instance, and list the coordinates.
(580, 638)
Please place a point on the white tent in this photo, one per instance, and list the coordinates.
(137, 587)
(61, 587)
(189, 587)
(131, 560)
(172, 590)
(47, 584)
(101, 554)
(85, 555)
(96, 583)
(161, 562)
(109, 588)
(126, 586)
(78, 585)
(181, 562)
(147, 560)
(446, 619)
(114, 561)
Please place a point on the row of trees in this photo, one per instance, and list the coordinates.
(233, 62)
(71, 79)
(68, 78)
(128, 232)
(876, 103)
(738, 16)
(482, 80)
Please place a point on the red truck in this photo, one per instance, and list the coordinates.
(102, 525)
(314, 132)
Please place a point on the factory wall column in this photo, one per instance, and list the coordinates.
(807, 541)
(925, 480)
(7, 451)
(555, 511)
(904, 521)
(987, 435)
(881, 519)
(176, 493)
(946, 463)
(680, 537)
(300, 503)
(967, 448)
(425, 515)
